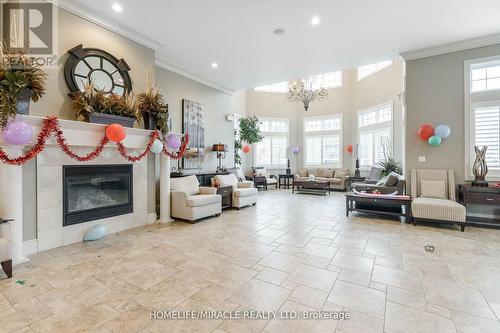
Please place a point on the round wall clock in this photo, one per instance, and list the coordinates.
(86, 65)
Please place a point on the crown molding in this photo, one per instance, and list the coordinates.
(162, 64)
(451, 47)
(105, 22)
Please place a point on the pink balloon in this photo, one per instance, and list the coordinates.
(17, 132)
(173, 142)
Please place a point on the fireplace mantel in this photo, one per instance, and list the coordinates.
(77, 134)
(83, 134)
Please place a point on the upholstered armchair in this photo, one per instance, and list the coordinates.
(271, 180)
(5, 251)
(190, 201)
(433, 197)
(244, 194)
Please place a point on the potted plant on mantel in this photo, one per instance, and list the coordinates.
(97, 107)
(152, 108)
(21, 81)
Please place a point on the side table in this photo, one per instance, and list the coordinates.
(227, 196)
(354, 179)
(285, 180)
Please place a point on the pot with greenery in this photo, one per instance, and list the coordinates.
(249, 132)
(389, 164)
(97, 107)
(152, 108)
(21, 81)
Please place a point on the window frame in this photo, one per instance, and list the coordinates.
(271, 135)
(322, 134)
(321, 77)
(373, 127)
(472, 100)
(389, 64)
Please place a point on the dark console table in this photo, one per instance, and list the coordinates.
(204, 178)
(482, 204)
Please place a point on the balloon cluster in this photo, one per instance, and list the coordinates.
(434, 136)
(17, 132)
(296, 150)
(350, 149)
(246, 149)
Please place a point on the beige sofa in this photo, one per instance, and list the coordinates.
(5, 252)
(435, 202)
(190, 201)
(337, 177)
(244, 194)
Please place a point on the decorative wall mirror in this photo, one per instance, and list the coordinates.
(86, 65)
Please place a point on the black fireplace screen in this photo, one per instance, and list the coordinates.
(96, 192)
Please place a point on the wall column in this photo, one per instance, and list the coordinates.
(11, 202)
(165, 189)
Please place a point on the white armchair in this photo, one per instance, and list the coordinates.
(190, 201)
(244, 194)
(433, 197)
(5, 251)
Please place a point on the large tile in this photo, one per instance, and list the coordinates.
(309, 296)
(280, 261)
(397, 278)
(261, 296)
(314, 277)
(359, 298)
(402, 319)
(356, 263)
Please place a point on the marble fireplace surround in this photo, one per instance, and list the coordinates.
(81, 137)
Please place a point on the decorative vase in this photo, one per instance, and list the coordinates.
(311, 178)
(356, 172)
(288, 171)
(149, 122)
(23, 101)
(480, 169)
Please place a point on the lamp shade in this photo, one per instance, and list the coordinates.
(219, 147)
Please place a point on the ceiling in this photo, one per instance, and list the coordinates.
(189, 35)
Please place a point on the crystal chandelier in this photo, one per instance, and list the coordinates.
(306, 91)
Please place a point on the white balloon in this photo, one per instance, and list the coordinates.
(157, 147)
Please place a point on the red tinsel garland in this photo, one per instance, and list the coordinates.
(51, 124)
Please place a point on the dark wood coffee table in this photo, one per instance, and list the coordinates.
(308, 186)
(378, 202)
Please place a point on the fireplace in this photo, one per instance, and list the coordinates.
(96, 191)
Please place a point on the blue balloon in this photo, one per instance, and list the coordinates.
(98, 231)
(443, 131)
(157, 146)
(434, 140)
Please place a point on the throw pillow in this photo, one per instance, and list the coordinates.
(328, 173)
(433, 189)
(392, 179)
(340, 174)
(382, 181)
(303, 173)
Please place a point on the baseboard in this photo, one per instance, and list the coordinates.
(151, 218)
(30, 247)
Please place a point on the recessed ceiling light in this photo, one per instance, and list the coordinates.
(315, 20)
(214, 65)
(117, 7)
(279, 31)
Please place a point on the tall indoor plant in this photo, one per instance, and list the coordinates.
(249, 132)
(21, 80)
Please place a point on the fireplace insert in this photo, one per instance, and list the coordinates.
(93, 192)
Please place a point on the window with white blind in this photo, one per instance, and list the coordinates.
(368, 70)
(374, 131)
(272, 150)
(280, 88)
(482, 113)
(323, 141)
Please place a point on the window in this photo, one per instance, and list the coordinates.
(326, 80)
(367, 70)
(280, 87)
(374, 134)
(482, 113)
(323, 141)
(272, 150)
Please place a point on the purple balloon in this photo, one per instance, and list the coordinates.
(173, 142)
(295, 150)
(17, 132)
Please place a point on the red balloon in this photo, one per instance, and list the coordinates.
(115, 132)
(349, 148)
(425, 132)
(246, 149)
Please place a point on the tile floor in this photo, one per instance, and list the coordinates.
(291, 252)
